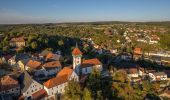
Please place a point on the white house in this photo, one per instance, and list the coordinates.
(88, 65)
(29, 86)
(57, 85)
(157, 76)
(141, 71)
(13, 60)
(9, 85)
(22, 63)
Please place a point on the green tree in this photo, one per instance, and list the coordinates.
(86, 94)
(94, 82)
(34, 45)
(61, 43)
(72, 90)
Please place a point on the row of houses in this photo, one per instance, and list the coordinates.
(29, 86)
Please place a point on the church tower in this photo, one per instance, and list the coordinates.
(77, 55)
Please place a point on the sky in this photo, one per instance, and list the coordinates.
(57, 11)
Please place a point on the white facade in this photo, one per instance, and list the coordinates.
(59, 89)
(141, 73)
(133, 75)
(76, 61)
(157, 77)
(11, 61)
(21, 65)
(34, 87)
(74, 76)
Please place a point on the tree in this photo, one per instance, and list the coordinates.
(5, 48)
(72, 90)
(61, 43)
(119, 76)
(34, 45)
(155, 86)
(94, 82)
(86, 94)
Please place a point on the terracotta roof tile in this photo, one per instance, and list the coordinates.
(65, 71)
(8, 82)
(76, 51)
(137, 51)
(56, 81)
(92, 62)
(33, 64)
(49, 55)
(17, 39)
(39, 94)
(52, 64)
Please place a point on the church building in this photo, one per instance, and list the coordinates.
(84, 67)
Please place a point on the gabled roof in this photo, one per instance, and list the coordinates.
(56, 81)
(8, 82)
(17, 39)
(45, 52)
(33, 64)
(26, 81)
(91, 62)
(20, 56)
(52, 56)
(52, 64)
(76, 51)
(65, 71)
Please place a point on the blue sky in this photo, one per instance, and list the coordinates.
(53, 11)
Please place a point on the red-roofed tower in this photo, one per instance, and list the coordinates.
(77, 54)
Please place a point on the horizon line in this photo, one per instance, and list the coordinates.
(72, 22)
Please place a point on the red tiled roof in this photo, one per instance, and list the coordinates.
(52, 64)
(33, 64)
(56, 81)
(76, 51)
(92, 62)
(8, 82)
(137, 51)
(65, 71)
(17, 39)
(49, 55)
(39, 94)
